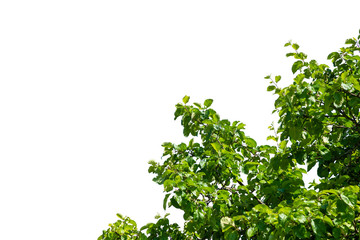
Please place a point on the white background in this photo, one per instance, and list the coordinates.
(88, 88)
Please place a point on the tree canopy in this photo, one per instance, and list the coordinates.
(229, 187)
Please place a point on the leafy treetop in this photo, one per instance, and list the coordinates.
(319, 123)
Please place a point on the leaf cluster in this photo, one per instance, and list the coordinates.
(229, 187)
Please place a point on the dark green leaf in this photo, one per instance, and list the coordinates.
(296, 66)
(318, 227)
(270, 88)
(350, 41)
(165, 200)
(336, 233)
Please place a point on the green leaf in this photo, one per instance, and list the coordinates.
(186, 99)
(341, 206)
(231, 235)
(295, 132)
(149, 225)
(282, 218)
(283, 144)
(168, 185)
(208, 102)
(296, 66)
(165, 200)
(277, 78)
(328, 221)
(318, 227)
(333, 55)
(338, 100)
(336, 233)
(262, 208)
(251, 231)
(301, 232)
(322, 171)
(299, 217)
(250, 142)
(346, 86)
(176, 201)
(350, 41)
(216, 117)
(216, 146)
(226, 221)
(271, 138)
(270, 88)
(346, 200)
(290, 54)
(295, 46)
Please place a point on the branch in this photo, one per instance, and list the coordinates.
(350, 93)
(252, 192)
(347, 117)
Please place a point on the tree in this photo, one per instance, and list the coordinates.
(319, 123)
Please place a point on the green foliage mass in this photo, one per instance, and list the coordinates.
(319, 123)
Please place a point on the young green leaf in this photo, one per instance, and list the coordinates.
(295, 46)
(186, 99)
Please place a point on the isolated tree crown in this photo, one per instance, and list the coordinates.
(319, 123)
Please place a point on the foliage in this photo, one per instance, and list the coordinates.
(319, 123)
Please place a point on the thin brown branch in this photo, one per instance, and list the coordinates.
(252, 193)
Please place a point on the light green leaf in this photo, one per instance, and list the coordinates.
(283, 144)
(216, 146)
(225, 222)
(346, 200)
(299, 217)
(346, 86)
(262, 208)
(295, 46)
(216, 117)
(251, 231)
(282, 218)
(328, 221)
(186, 99)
